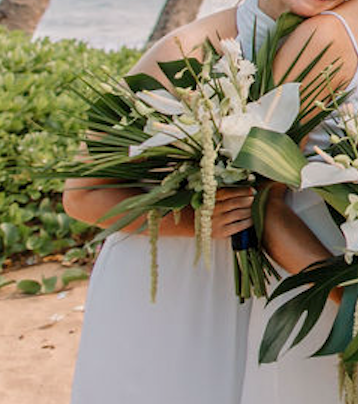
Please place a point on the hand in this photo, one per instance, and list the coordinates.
(232, 212)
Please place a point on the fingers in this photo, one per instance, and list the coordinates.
(233, 203)
(232, 211)
(235, 216)
(232, 228)
(228, 193)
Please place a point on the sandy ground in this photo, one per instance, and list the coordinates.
(39, 339)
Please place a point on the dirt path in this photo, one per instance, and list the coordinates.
(39, 340)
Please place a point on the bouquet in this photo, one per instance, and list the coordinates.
(334, 176)
(184, 145)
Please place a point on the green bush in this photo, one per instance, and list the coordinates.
(39, 127)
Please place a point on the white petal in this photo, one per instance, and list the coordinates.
(279, 107)
(232, 145)
(350, 231)
(320, 174)
(160, 139)
(162, 101)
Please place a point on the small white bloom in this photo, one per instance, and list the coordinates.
(231, 49)
(343, 159)
(247, 68)
(352, 209)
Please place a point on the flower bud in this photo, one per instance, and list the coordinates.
(335, 139)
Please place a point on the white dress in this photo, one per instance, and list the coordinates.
(197, 344)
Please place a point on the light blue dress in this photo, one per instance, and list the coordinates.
(196, 345)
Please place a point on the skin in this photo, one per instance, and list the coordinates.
(232, 212)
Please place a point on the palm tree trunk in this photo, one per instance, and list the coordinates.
(22, 14)
(174, 14)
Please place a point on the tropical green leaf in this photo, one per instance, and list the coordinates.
(335, 195)
(273, 155)
(342, 330)
(351, 352)
(258, 210)
(127, 219)
(170, 69)
(323, 277)
(141, 81)
(286, 23)
(178, 201)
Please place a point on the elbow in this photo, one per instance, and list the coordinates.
(72, 200)
(69, 204)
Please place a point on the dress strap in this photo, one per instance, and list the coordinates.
(347, 27)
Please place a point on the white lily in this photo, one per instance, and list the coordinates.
(164, 134)
(162, 101)
(276, 111)
(278, 108)
(317, 174)
(350, 232)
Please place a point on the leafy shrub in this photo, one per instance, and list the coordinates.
(38, 127)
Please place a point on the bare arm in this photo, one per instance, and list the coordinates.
(287, 239)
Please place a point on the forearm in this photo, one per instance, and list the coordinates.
(89, 206)
(288, 240)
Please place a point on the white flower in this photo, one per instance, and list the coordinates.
(247, 68)
(234, 129)
(350, 231)
(320, 174)
(231, 49)
(162, 101)
(278, 108)
(162, 134)
(352, 208)
(275, 111)
(230, 91)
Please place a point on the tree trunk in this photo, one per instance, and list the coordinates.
(22, 14)
(174, 14)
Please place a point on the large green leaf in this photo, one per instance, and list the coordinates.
(351, 353)
(342, 330)
(141, 81)
(258, 211)
(323, 277)
(286, 23)
(187, 79)
(273, 155)
(336, 195)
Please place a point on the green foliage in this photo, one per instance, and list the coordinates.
(39, 128)
(46, 285)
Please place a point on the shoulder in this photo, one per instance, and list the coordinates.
(217, 26)
(324, 30)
